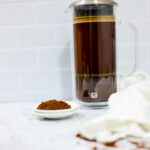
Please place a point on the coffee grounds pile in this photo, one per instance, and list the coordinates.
(53, 105)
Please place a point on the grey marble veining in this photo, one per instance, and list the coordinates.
(20, 129)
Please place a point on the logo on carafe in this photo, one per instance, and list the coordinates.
(93, 95)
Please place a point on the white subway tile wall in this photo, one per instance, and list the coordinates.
(7, 37)
(35, 36)
(132, 10)
(35, 60)
(47, 13)
(16, 13)
(17, 59)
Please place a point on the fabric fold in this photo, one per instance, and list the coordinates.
(128, 115)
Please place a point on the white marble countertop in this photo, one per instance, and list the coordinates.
(20, 129)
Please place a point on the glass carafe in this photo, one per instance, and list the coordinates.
(94, 62)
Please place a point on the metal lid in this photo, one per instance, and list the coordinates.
(90, 2)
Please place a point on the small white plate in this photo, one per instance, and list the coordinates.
(57, 114)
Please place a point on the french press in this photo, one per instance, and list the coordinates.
(94, 51)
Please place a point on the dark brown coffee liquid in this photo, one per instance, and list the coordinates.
(95, 60)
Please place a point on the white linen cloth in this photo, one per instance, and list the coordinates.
(128, 115)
